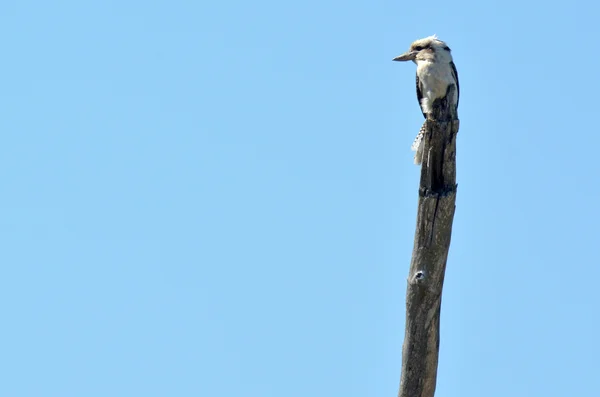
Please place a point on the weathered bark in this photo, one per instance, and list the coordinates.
(437, 196)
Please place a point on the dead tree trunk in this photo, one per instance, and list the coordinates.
(437, 196)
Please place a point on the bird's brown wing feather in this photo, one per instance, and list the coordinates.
(455, 73)
(420, 96)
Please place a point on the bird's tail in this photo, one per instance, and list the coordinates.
(417, 145)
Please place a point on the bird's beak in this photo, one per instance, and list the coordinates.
(407, 56)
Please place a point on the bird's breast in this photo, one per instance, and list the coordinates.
(434, 79)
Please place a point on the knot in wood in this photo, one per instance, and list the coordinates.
(419, 276)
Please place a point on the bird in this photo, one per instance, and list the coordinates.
(435, 73)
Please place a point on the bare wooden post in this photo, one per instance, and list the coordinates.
(437, 196)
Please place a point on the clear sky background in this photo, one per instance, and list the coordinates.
(218, 198)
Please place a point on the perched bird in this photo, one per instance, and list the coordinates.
(435, 73)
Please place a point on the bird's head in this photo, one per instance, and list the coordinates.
(429, 49)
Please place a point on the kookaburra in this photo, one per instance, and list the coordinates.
(435, 73)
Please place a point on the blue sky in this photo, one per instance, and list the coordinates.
(218, 198)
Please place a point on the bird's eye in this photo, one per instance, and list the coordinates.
(418, 48)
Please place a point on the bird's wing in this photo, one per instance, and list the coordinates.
(455, 75)
(420, 95)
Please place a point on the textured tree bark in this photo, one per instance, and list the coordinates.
(437, 196)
